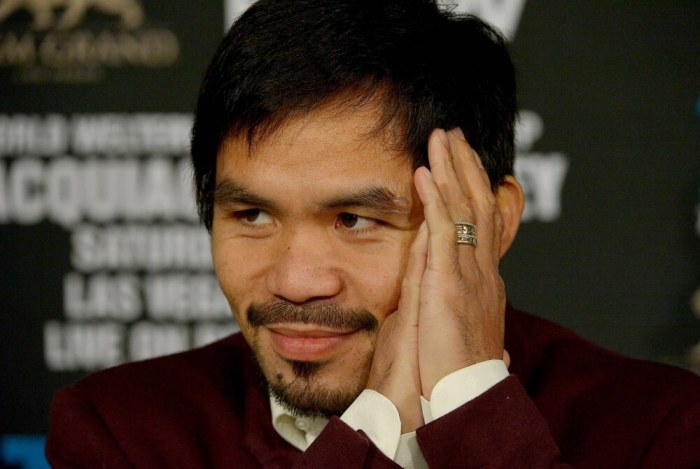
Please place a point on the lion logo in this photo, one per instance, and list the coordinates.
(129, 12)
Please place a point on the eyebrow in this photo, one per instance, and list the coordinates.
(378, 198)
(230, 192)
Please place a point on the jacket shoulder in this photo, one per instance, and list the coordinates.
(212, 365)
(171, 411)
(581, 388)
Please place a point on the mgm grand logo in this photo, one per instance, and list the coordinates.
(78, 40)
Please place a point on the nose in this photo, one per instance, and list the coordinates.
(304, 268)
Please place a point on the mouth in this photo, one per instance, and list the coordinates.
(307, 342)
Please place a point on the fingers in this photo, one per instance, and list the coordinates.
(410, 287)
(444, 154)
(442, 248)
(476, 186)
(459, 190)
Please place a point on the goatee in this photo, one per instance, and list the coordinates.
(302, 394)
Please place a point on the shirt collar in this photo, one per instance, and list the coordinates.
(300, 432)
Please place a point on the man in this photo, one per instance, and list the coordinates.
(373, 317)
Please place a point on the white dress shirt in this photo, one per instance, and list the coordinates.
(378, 418)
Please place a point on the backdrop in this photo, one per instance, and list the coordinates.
(103, 260)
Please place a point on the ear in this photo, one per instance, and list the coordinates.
(510, 201)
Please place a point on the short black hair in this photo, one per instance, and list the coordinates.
(429, 67)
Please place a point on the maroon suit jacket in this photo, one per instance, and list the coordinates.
(566, 402)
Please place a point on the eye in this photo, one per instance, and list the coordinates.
(253, 216)
(350, 221)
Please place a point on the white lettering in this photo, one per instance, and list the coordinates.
(542, 178)
(63, 192)
(33, 135)
(101, 296)
(208, 332)
(82, 347)
(66, 190)
(143, 247)
(233, 9)
(103, 190)
(24, 195)
(148, 340)
(503, 14)
(160, 192)
(529, 128)
(138, 133)
(4, 205)
(184, 297)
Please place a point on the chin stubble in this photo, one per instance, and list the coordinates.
(304, 396)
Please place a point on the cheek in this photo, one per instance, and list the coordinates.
(237, 275)
(380, 277)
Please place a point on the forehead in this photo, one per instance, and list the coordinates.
(331, 145)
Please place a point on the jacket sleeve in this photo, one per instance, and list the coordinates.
(78, 437)
(340, 447)
(501, 428)
(677, 439)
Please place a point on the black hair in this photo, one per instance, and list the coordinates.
(429, 68)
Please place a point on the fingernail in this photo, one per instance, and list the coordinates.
(442, 136)
(457, 132)
(478, 160)
(421, 169)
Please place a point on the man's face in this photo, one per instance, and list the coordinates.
(310, 236)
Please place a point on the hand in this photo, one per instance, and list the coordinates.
(462, 297)
(451, 309)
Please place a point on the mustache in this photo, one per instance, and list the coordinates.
(329, 315)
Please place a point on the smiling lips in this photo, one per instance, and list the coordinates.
(307, 343)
